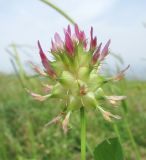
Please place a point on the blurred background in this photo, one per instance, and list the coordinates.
(22, 120)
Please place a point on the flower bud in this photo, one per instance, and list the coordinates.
(58, 91)
(83, 73)
(65, 122)
(96, 80)
(108, 115)
(66, 79)
(99, 94)
(37, 97)
(89, 100)
(84, 59)
(74, 103)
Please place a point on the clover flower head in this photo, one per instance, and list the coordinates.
(74, 73)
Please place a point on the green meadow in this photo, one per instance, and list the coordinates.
(23, 135)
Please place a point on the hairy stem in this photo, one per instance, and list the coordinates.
(83, 133)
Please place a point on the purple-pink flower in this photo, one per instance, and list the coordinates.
(73, 74)
(71, 41)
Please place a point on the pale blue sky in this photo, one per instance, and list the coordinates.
(24, 22)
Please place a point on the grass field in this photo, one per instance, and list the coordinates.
(24, 137)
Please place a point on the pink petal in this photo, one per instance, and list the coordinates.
(45, 62)
(54, 121)
(91, 33)
(74, 38)
(85, 44)
(80, 34)
(58, 40)
(116, 98)
(96, 54)
(77, 32)
(105, 51)
(69, 44)
(47, 88)
(36, 96)
(93, 42)
(69, 30)
(42, 54)
(53, 49)
(65, 123)
(120, 75)
(37, 69)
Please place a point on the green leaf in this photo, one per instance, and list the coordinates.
(109, 150)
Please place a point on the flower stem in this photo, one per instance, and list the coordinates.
(83, 133)
(59, 10)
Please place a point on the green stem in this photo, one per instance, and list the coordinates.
(59, 11)
(117, 132)
(83, 133)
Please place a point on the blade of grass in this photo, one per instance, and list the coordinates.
(65, 15)
(17, 73)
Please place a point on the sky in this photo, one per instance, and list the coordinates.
(122, 21)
